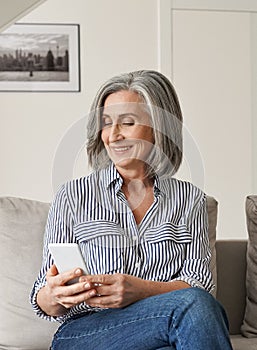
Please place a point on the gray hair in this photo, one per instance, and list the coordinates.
(165, 113)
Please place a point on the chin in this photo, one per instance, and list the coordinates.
(129, 164)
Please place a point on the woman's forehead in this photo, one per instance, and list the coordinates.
(123, 96)
(125, 108)
(125, 102)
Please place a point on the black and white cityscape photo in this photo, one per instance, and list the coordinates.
(37, 54)
(41, 57)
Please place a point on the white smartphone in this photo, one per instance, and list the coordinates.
(67, 256)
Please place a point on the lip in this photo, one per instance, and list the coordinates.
(121, 149)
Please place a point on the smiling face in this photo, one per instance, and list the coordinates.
(126, 131)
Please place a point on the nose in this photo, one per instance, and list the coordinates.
(115, 133)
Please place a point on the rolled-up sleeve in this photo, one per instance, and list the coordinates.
(196, 267)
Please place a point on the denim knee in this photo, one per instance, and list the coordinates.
(197, 296)
(198, 321)
(203, 304)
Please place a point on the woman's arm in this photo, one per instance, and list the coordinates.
(196, 268)
(120, 290)
(50, 296)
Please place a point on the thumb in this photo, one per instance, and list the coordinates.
(52, 271)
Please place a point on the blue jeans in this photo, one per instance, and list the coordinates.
(188, 319)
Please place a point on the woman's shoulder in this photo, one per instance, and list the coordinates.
(184, 190)
(77, 193)
(188, 197)
(82, 183)
(95, 181)
(184, 186)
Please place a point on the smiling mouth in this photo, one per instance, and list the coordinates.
(121, 149)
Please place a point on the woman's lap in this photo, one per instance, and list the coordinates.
(174, 320)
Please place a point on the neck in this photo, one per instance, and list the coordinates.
(136, 176)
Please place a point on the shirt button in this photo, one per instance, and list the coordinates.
(137, 265)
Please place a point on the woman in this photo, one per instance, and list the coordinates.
(143, 234)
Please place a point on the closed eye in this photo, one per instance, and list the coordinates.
(127, 120)
(106, 122)
(128, 123)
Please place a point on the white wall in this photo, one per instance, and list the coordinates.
(212, 73)
(118, 36)
(13, 10)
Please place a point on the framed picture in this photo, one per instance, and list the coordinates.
(40, 57)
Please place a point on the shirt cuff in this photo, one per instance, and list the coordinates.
(191, 281)
(195, 283)
(38, 311)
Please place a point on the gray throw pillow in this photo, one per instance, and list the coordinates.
(22, 224)
(249, 326)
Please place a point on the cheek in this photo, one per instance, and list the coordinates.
(148, 135)
(104, 136)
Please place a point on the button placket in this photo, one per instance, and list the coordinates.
(138, 263)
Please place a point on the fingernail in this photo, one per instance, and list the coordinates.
(77, 272)
(87, 285)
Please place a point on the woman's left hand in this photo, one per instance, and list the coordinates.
(116, 291)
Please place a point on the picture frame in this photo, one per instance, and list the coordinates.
(40, 58)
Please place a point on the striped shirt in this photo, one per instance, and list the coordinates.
(170, 243)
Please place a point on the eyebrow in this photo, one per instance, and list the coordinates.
(123, 115)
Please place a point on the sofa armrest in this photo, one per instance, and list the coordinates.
(231, 274)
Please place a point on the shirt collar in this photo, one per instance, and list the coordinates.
(111, 177)
(160, 187)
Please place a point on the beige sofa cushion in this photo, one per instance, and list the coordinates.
(241, 343)
(22, 225)
(249, 327)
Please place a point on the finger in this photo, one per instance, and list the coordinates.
(85, 279)
(73, 289)
(78, 298)
(65, 276)
(71, 295)
(68, 276)
(98, 301)
(104, 290)
(52, 271)
(102, 279)
(104, 302)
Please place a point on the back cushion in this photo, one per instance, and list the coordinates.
(249, 327)
(22, 224)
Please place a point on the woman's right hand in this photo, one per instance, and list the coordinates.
(57, 297)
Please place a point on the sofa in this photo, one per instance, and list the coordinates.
(22, 222)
